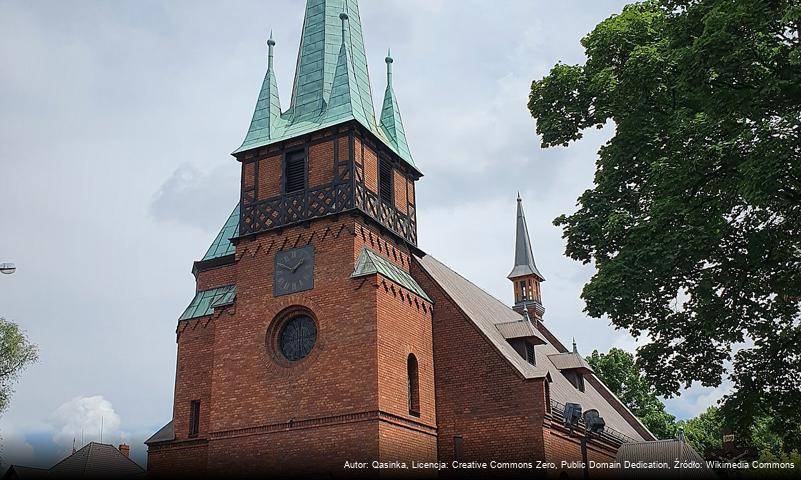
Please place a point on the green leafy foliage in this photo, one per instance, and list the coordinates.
(16, 352)
(704, 431)
(618, 371)
(694, 218)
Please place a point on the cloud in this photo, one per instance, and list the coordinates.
(85, 417)
(197, 198)
(696, 399)
(14, 447)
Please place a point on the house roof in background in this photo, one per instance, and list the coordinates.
(96, 460)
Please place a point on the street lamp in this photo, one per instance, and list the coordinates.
(7, 268)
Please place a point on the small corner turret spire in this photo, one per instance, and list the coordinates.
(391, 124)
(266, 119)
(525, 276)
(575, 349)
(524, 256)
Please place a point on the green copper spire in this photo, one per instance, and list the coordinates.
(391, 123)
(267, 117)
(344, 99)
(332, 84)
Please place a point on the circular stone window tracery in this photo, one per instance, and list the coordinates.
(297, 337)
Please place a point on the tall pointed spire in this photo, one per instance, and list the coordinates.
(267, 116)
(320, 41)
(391, 123)
(332, 84)
(524, 257)
(344, 99)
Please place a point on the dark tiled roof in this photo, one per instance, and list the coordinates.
(165, 434)
(667, 451)
(97, 460)
(569, 361)
(490, 314)
(486, 312)
(519, 329)
(18, 472)
(524, 257)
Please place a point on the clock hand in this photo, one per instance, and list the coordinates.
(298, 265)
(285, 266)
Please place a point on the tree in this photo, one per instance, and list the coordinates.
(16, 352)
(618, 371)
(694, 218)
(704, 431)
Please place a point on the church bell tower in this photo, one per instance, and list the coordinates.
(308, 342)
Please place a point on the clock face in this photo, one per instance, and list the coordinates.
(294, 271)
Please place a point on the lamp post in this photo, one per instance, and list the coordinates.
(7, 268)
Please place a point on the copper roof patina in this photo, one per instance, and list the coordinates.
(332, 84)
(370, 263)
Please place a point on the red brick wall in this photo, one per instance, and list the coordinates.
(321, 450)
(480, 396)
(249, 387)
(249, 174)
(193, 373)
(185, 457)
(269, 177)
(559, 446)
(357, 369)
(321, 163)
(400, 191)
(216, 277)
(370, 169)
(404, 444)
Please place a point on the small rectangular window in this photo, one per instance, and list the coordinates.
(530, 354)
(194, 418)
(295, 172)
(523, 290)
(385, 181)
(458, 448)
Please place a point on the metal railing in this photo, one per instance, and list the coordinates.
(609, 434)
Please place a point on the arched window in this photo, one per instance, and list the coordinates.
(413, 384)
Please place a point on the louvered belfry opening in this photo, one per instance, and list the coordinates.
(295, 172)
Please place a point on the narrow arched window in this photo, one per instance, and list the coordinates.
(413, 384)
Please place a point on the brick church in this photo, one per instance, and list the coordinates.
(322, 333)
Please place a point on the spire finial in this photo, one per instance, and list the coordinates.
(270, 45)
(343, 16)
(575, 349)
(518, 196)
(389, 61)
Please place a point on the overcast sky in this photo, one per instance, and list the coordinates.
(116, 123)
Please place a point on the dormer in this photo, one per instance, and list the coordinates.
(572, 366)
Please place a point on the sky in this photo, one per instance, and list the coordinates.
(116, 124)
